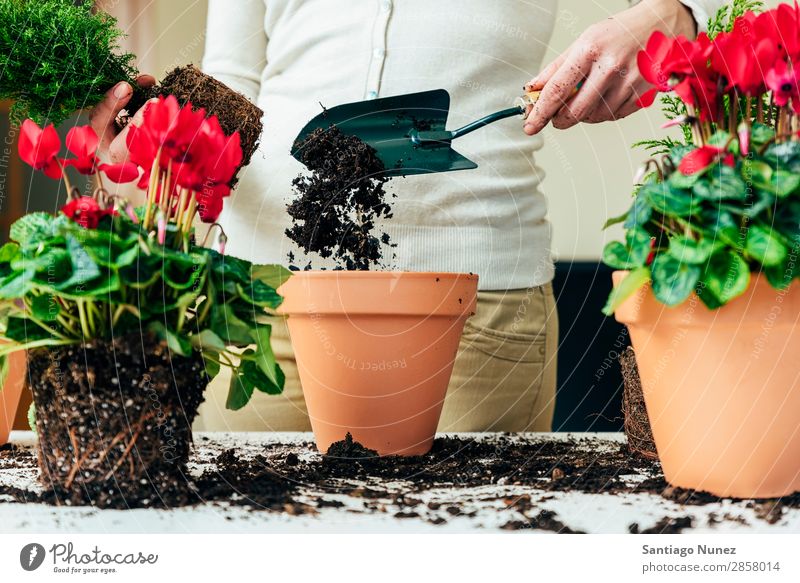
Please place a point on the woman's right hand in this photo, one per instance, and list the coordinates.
(104, 115)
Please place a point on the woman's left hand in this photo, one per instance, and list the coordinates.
(603, 59)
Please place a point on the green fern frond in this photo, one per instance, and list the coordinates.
(723, 20)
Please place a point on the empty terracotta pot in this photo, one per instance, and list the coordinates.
(722, 388)
(10, 392)
(375, 352)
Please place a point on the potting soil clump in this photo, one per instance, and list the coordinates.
(337, 208)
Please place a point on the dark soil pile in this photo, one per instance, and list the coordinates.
(637, 423)
(349, 449)
(114, 420)
(336, 208)
(234, 111)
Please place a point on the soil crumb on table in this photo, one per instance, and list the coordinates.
(338, 206)
(666, 525)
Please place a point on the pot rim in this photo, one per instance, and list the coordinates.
(351, 293)
(355, 274)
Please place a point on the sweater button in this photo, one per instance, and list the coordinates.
(386, 5)
(372, 95)
(379, 53)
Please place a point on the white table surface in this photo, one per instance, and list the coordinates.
(596, 513)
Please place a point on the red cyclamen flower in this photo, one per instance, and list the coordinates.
(86, 211)
(681, 65)
(783, 80)
(701, 158)
(83, 142)
(202, 158)
(746, 53)
(39, 148)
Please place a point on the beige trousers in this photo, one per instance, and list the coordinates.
(504, 378)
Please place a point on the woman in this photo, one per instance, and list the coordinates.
(289, 56)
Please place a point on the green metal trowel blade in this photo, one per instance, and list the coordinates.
(386, 125)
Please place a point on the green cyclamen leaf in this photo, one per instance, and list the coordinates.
(4, 368)
(726, 276)
(616, 255)
(229, 327)
(175, 342)
(764, 246)
(23, 330)
(265, 357)
(84, 269)
(207, 340)
(272, 275)
(32, 229)
(260, 294)
(639, 213)
(722, 182)
(690, 251)
(626, 288)
(262, 382)
(241, 387)
(8, 252)
(673, 280)
(667, 200)
(615, 220)
(32, 417)
(45, 307)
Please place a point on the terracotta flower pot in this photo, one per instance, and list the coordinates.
(375, 352)
(722, 388)
(10, 392)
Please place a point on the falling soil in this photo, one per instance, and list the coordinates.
(114, 425)
(279, 478)
(637, 423)
(337, 207)
(234, 111)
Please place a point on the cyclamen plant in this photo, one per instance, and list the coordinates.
(102, 268)
(709, 212)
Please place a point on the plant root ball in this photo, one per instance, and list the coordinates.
(234, 111)
(637, 423)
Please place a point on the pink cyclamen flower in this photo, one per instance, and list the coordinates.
(162, 228)
(131, 214)
(744, 139)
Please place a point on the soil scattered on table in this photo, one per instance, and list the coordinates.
(338, 206)
(297, 480)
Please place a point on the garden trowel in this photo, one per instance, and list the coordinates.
(408, 131)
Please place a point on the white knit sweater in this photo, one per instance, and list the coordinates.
(289, 56)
